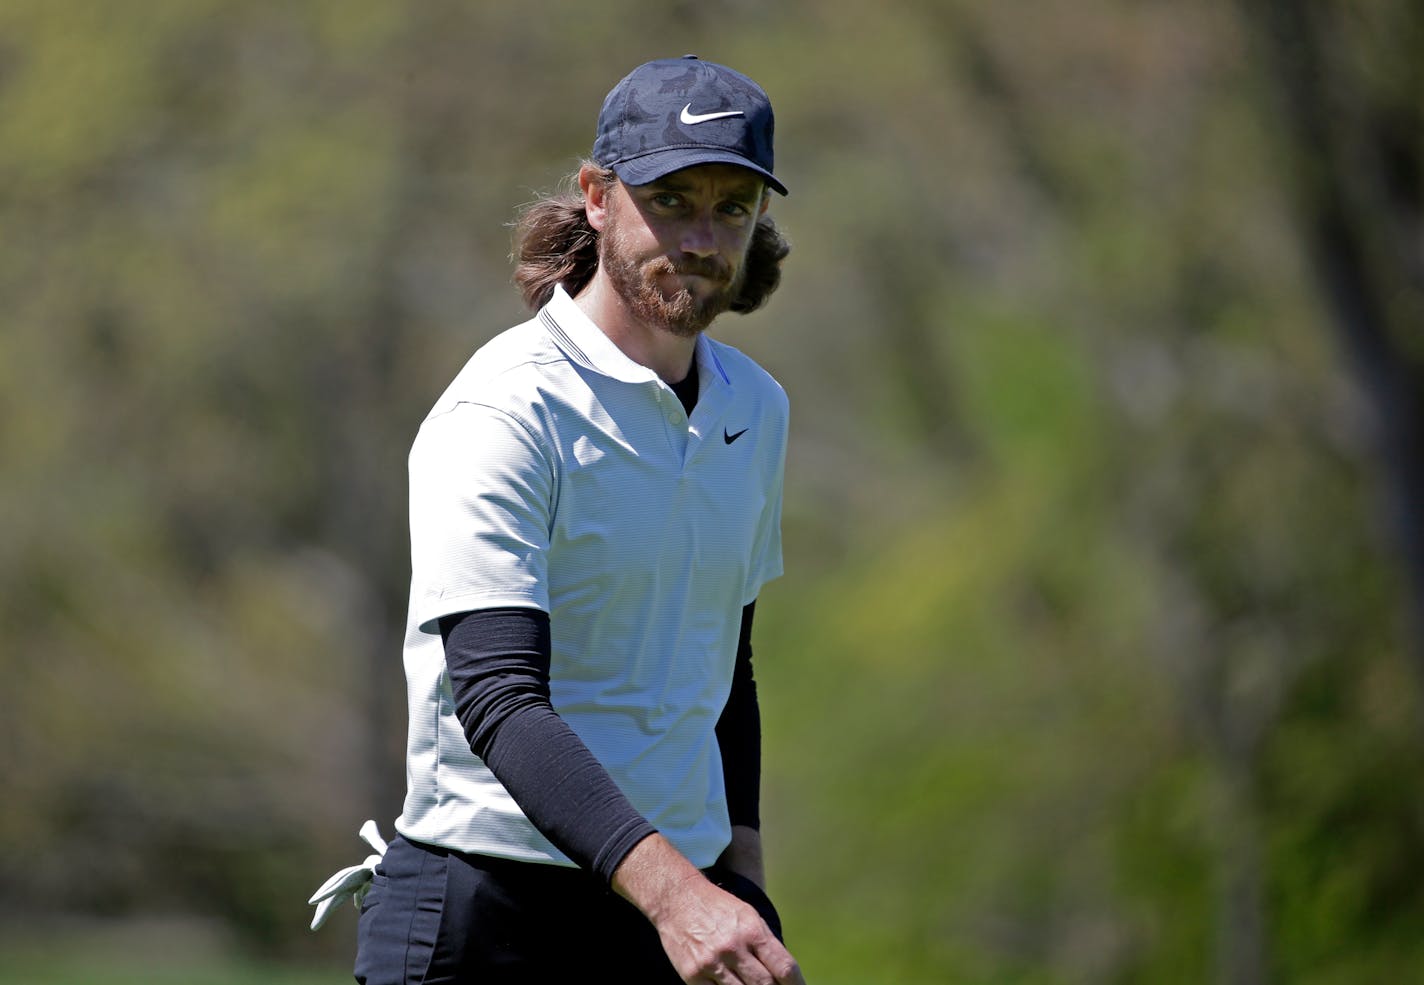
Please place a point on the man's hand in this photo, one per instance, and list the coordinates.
(709, 935)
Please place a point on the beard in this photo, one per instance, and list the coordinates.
(637, 282)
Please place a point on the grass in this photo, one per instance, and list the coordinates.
(177, 952)
(68, 971)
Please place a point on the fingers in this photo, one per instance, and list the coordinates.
(764, 962)
(779, 963)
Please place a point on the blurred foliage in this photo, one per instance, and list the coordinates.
(1090, 664)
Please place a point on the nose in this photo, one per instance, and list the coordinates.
(697, 237)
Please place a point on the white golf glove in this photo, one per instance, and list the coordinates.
(351, 883)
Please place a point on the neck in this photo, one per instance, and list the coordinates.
(668, 355)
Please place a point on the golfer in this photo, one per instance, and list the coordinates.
(595, 504)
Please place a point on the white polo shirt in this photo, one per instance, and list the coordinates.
(555, 473)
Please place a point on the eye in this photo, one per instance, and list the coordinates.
(736, 211)
(667, 200)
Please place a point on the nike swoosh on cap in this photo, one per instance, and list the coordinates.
(687, 116)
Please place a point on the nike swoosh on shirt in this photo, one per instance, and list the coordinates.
(690, 117)
(729, 438)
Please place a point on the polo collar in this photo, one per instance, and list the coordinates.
(584, 342)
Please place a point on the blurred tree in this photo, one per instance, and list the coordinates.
(1349, 98)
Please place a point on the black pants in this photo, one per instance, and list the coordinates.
(436, 917)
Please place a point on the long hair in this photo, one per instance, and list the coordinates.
(554, 244)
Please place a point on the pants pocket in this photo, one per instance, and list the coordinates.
(400, 917)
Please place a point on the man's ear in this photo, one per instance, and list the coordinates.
(595, 195)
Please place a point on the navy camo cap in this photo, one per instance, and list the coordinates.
(677, 112)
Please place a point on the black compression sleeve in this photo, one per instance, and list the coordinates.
(739, 735)
(498, 661)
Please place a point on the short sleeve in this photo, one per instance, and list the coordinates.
(481, 488)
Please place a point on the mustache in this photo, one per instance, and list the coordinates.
(713, 268)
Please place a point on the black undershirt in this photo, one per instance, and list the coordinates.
(498, 661)
(686, 389)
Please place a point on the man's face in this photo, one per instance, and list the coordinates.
(674, 249)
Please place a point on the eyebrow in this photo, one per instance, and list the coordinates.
(748, 191)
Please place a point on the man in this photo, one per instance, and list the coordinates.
(595, 504)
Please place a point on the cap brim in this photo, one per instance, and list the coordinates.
(659, 164)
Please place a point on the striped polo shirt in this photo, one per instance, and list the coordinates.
(555, 473)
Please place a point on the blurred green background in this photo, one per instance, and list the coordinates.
(1098, 658)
